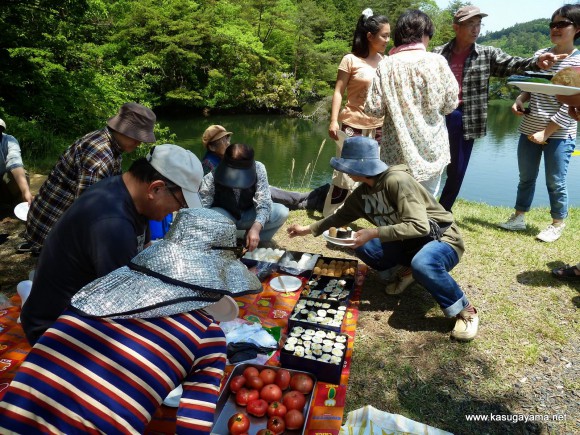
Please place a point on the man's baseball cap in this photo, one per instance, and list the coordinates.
(213, 133)
(467, 12)
(181, 167)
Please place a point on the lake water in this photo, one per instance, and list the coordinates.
(289, 148)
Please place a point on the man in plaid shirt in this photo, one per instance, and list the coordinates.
(473, 65)
(91, 158)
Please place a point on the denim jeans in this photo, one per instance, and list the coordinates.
(430, 268)
(556, 159)
(460, 150)
(278, 216)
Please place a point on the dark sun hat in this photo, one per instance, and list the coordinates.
(135, 121)
(360, 156)
(192, 268)
(236, 174)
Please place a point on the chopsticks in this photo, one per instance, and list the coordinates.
(281, 281)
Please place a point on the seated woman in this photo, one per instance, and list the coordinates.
(239, 189)
(132, 336)
(216, 139)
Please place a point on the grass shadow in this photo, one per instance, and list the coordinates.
(470, 223)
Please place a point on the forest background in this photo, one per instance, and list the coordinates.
(68, 65)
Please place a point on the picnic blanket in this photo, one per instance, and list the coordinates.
(270, 308)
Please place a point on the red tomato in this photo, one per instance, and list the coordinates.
(265, 432)
(236, 383)
(245, 396)
(257, 407)
(301, 382)
(293, 400)
(268, 376)
(254, 382)
(250, 371)
(294, 419)
(282, 378)
(271, 393)
(276, 425)
(238, 424)
(276, 409)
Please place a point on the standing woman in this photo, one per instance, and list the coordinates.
(355, 74)
(414, 90)
(547, 130)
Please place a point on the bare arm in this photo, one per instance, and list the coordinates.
(339, 88)
(20, 177)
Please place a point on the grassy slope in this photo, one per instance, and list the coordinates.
(404, 362)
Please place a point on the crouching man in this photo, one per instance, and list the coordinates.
(412, 229)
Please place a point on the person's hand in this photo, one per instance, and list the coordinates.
(253, 236)
(296, 230)
(574, 112)
(333, 130)
(518, 108)
(538, 138)
(27, 196)
(547, 60)
(363, 236)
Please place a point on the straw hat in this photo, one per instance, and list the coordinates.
(181, 273)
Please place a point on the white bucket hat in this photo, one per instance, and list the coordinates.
(192, 267)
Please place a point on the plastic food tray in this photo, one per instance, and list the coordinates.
(226, 405)
(325, 371)
(336, 267)
(327, 288)
(300, 315)
(295, 256)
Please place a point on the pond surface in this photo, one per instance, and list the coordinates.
(291, 148)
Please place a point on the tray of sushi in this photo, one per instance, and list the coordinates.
(315, 350)
(328, 288)
(310, 313)
(337, 267)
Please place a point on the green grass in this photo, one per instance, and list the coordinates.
(404, 361)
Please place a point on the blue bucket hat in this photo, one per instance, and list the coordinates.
(360, 156)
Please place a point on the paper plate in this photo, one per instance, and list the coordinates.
(223, 311)
(290, 282)
(546, 88)
(337, 241)
(173, 397)
(21, 211)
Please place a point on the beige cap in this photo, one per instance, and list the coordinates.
(467, 12)
(213, 133)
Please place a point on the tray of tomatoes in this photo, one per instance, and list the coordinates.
(264, 400)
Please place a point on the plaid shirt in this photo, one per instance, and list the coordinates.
(482, 62)
(90, 159)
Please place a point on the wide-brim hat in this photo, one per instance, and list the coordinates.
(193, 267)
(213, 133)
(236, 174)
(2, 125)
(360, 156)
(135, 121)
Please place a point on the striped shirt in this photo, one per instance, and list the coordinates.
(545, 108)
(90, 159)
(88, 376)
(482, 63)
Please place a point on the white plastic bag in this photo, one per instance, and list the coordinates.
(371, 421)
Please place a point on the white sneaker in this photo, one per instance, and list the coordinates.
(516, 222)
(466, 326)
(551, 233)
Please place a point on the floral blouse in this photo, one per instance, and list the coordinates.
(414, 93)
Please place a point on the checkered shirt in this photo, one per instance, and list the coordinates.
(91, 158)
(482, 63)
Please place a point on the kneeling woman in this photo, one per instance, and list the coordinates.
(239, 189)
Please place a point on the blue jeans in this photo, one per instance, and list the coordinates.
(556, 159)
(460, 150)
(278, 216)
(430, 268)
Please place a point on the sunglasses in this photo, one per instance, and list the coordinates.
(560, 24)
